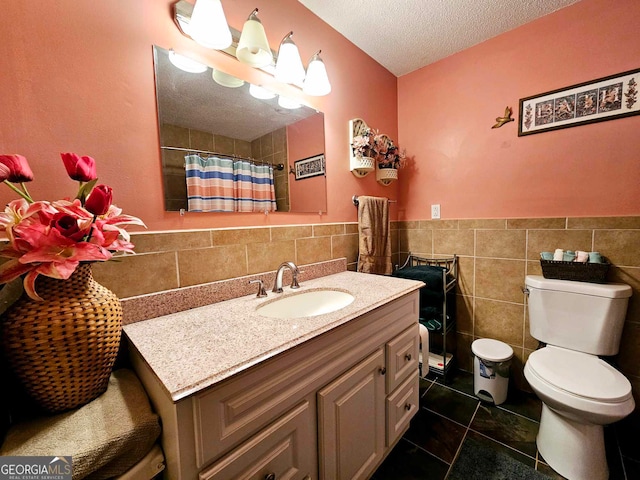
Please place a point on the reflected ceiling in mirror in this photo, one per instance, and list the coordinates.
(199, 115)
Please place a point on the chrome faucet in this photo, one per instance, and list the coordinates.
(277, 285)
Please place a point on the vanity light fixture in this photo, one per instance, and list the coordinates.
(316, 82)
(208, 25)
(289, 68)
(260, 93)
(288, 103)
(185, 63)
(253, 47)
(226, 80)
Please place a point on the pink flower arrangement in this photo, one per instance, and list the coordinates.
(373, 144)
(387, 154)
(52, 238)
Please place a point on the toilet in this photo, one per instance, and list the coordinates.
(579, 391)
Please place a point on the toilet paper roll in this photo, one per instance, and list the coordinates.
(424, 340)
(558, 254)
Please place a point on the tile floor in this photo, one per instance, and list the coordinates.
(451, 415)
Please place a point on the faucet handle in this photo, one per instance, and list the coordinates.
(294, 279)
(261, 291)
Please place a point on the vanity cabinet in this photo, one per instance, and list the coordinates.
(328, 408)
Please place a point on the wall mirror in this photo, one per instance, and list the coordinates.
(209, 122)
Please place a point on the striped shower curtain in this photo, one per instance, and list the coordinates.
(217, 184)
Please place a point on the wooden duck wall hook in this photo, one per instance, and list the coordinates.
(505, 119)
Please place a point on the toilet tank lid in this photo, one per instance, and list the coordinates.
(609, 290)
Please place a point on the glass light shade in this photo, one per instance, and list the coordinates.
(260, 92)
(208, 25)
(185, 63)
(289, 68)
(316, 82)
(288, 103)
(226, 80)
(253, 47)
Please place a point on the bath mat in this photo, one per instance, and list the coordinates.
(479, 462)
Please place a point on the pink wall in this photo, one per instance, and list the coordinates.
(445, 112)
(304, 141)
(78, 76)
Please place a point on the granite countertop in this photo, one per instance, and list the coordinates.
(192, 350)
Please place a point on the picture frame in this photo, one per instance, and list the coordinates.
(606, 98)
(309, 167)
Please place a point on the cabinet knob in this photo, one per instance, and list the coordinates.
(407, 407)
(270, 476)
(407, 357)
(383, 370)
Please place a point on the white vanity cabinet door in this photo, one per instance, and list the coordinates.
(351, 421)
(284, 450)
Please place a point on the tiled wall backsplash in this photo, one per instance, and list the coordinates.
(171, 260)
(495, 255)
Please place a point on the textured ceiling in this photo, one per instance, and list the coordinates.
(404, 35)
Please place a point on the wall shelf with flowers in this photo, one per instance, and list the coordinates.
(389, 158)
(361, 155)
(371, 151)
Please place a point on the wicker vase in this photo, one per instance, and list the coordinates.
(63, 348)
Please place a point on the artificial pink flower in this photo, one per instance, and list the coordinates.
(19, 168)
(99, 200)
(68, 226)
(4, 172)
(52, 238)
(82, 169)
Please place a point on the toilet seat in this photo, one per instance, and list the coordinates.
(579, 374)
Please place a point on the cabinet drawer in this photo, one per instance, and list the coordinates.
(284, 449)
(402, 405)
(402, 357)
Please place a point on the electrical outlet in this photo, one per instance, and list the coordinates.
(435, 211)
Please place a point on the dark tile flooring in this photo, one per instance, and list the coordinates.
(451, 416)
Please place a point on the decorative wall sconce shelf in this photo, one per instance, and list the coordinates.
(385, 175)
(360, 164)
(369, 151)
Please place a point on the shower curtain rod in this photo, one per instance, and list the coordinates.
(279, 166)
(355, 201)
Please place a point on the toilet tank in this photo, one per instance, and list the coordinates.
(586, 317)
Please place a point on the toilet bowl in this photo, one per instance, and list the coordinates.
(580, 393)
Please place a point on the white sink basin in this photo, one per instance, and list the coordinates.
(306, 304)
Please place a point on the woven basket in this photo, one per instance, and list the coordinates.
(576, 271)
(63, 348)
(361, 166)
(385, 176)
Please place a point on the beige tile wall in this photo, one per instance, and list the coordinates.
(495, 255)
(165, 261)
